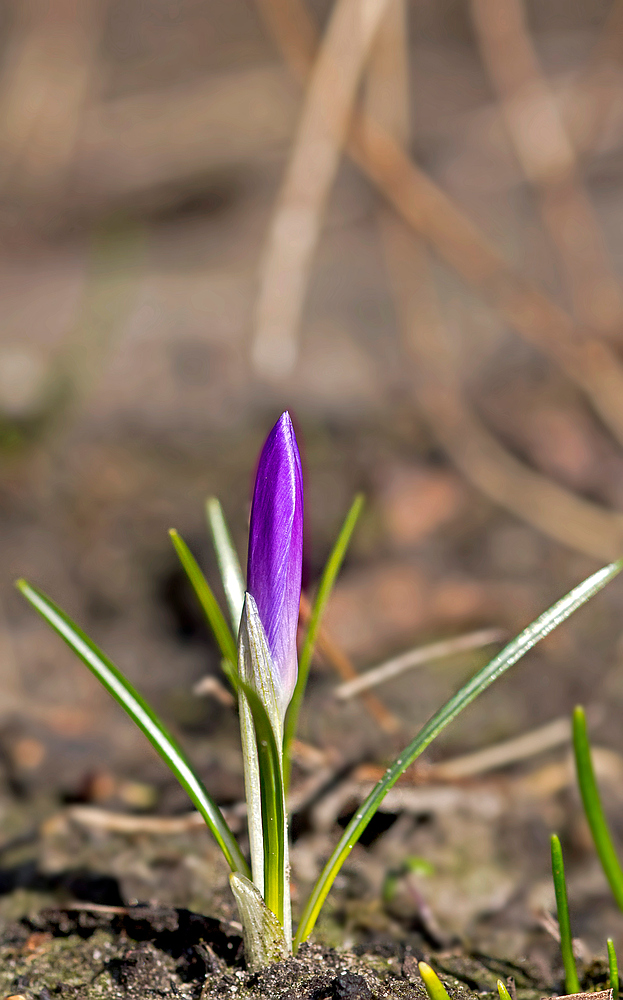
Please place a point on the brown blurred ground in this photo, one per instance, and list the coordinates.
(143, 147)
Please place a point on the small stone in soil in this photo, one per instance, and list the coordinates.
(350, 986)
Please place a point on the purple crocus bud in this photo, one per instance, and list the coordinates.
(276, 548)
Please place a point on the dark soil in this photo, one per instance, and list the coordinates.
(140, 952)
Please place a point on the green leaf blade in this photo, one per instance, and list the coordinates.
(216, 618)
(572, 983)
(503, 991)
(327, 580)
(536, 631)
(273, 811)
(593, 807)
(613, 967)
(432, 983)
(144, 717)
(229, 564)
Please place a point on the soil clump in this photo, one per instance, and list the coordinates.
(144, 951)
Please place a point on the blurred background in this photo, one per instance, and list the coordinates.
(403, 220)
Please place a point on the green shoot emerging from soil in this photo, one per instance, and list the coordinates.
(572, 983)
(503, 991)
(613, 967)
(433, 984)
(259, 657)
(593, 808)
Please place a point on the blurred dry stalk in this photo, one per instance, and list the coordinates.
(590, 104)
(477, 453)
(548, 160)
(530, 744)
(138, 143)
(559, 513)
(58, 137)
(386, 85)
(316, 152)
(49, 72)
(419, 657)
(584, 358)
(341, 663)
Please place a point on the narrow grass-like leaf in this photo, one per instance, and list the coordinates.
(325, 587)
(474, 687)
(255, 667)
(216, 618)
(273, 805)
(433, 984)
(256, 683)
(252, 788)
(613, 967)
(593, 808)
(572, 983)
(229, 564)
(233, 585)
(144, 717)
(264, 942)
(502, 988)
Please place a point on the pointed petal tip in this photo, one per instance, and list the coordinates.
(285, 428)
(276, 544)
(248, 605)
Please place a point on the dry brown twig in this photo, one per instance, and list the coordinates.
(549, 924)
(535, 498)
(49, 71)
(96, 818)
(433, 788)
(295, 31)
(316, 153)
(590, 102)
(540, 501)
(588, 362)
(151, 140)
(213, 687)
(419, 657)
(343, 666)
(386, 84)
(146, 141)
(549, 162)
(504, 754)
(554, 510)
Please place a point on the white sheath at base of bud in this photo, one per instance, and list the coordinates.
(264, 942)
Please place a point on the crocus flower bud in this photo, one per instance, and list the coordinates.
(276, 549)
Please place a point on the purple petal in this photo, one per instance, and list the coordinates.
(276, 546)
